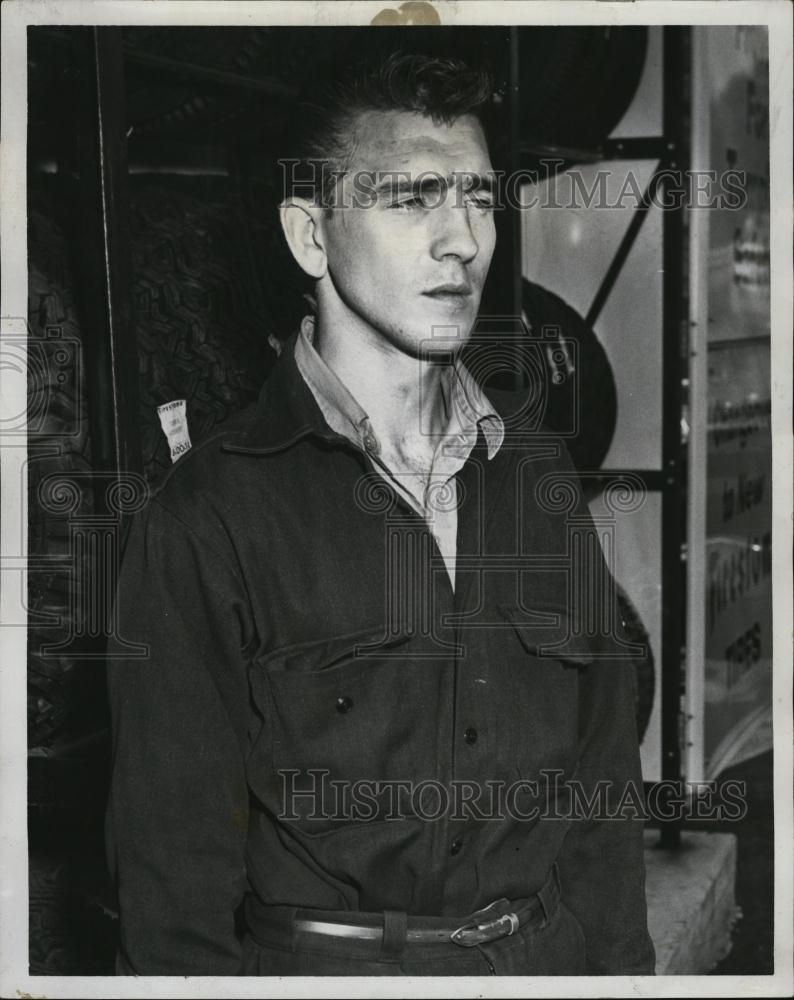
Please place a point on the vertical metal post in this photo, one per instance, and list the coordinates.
(94, 174)
(500, 310)
(111, 350)
(675, 351)
(697, 418)
(513, 163)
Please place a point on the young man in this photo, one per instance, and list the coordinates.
(368, 694)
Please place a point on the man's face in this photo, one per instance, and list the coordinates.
(409, 248)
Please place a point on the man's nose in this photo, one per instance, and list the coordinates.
(453, 234)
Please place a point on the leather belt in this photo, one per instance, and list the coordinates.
(499, 919)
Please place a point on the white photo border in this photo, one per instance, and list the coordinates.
(17, 15)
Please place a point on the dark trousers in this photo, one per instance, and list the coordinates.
(555, 949)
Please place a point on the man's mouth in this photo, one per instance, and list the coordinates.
(449, 291)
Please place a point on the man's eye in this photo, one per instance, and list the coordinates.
(483, 202)
(415, 201)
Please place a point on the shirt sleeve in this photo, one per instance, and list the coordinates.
(601, 863)
(601, 860)
(177, 816)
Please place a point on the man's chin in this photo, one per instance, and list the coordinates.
(441, 335)
(443, 345)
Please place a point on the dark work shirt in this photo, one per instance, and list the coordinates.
(466, 411)
(304, 711)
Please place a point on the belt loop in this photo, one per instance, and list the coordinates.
(293, 943)
(395, 927)
(270, 925)
(549, 894)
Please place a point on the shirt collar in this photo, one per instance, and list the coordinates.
(287, 411)
(466, 404)
(339, 406)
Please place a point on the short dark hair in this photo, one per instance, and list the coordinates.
(441, 87)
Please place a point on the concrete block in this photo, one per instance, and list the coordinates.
(691, 901)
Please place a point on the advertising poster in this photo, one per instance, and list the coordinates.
(738, 690)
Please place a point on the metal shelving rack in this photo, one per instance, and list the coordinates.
(671, 150)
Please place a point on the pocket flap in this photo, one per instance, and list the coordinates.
(331, 651)
(550, 632)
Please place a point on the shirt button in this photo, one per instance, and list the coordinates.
(470, 736)
(371, 443)
(343, 704)
(456, 846)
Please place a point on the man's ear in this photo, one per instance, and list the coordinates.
(300, 220)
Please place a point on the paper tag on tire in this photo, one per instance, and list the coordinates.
(173, 420)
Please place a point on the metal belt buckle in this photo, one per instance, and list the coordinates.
(479, 930)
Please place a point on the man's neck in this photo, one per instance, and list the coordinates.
(401, 394)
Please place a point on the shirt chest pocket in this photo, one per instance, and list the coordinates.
(348, 708)
(546, 708)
